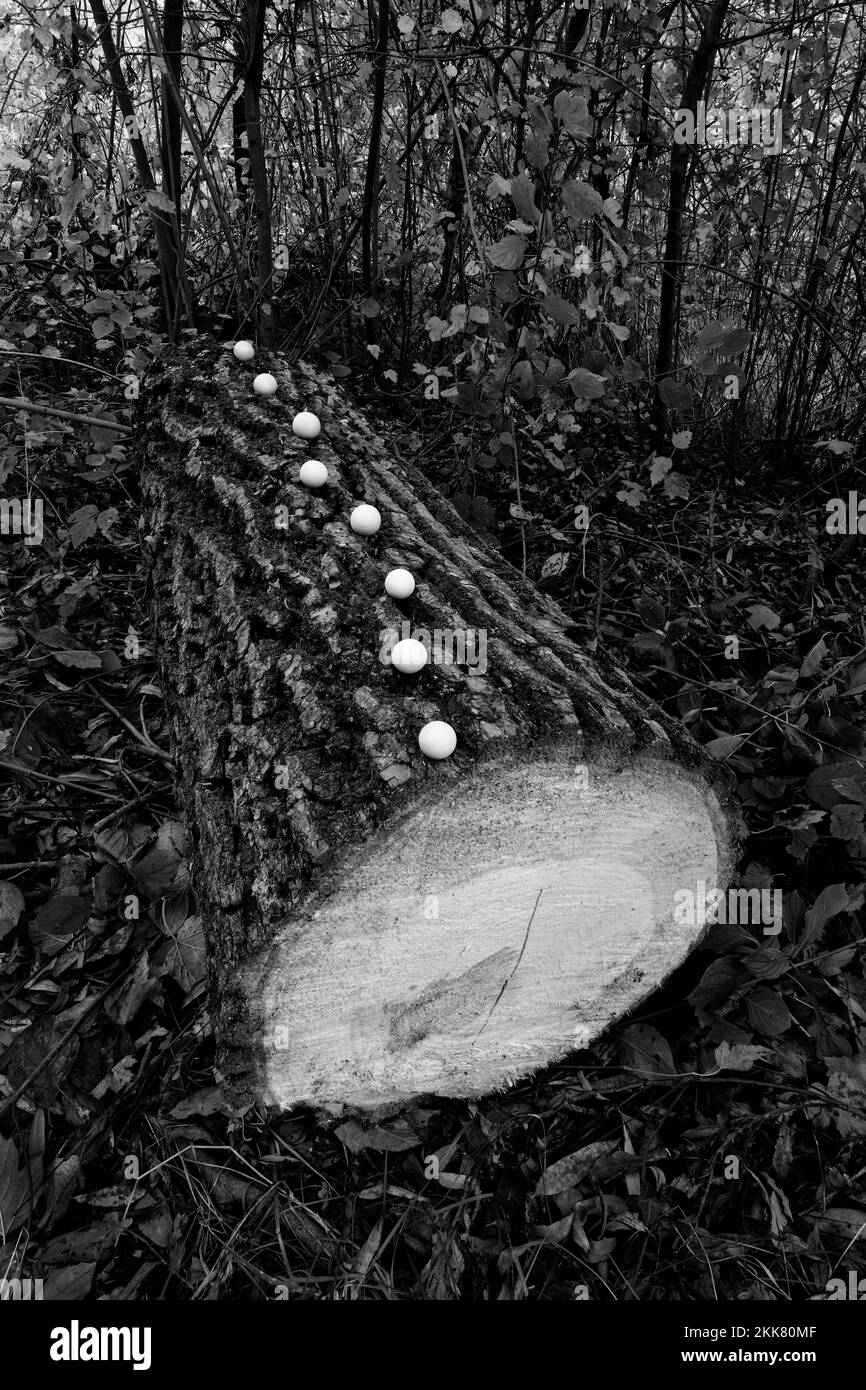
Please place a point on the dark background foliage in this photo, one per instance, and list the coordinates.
(634, 365)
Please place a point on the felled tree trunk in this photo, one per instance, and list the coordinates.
(381, 925)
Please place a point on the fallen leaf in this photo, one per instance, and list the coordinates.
(70, 1284)
(164, 866)
(569, 1171)
(11, 907)
(760, 616)
(645, 1049)
(847, 1084)
(722, 748)
(846, 1223)
(208, 1101)
(395, 1137)
(186, 958)
(740, 1057)
(14, 1190)
(58, 920)
(30, 1049)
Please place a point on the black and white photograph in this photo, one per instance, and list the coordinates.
(432, 675)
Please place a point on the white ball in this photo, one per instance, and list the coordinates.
(365, 520)
(306, 425)
(437, 739)
(244, 351)
(409, 656)
(313, 473)
(264, 384)
(399, 583)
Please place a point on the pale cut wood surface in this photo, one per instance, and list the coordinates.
(492, 931)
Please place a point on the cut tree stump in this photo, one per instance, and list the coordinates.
(381, 926)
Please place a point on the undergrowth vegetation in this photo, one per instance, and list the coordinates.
(635, 371)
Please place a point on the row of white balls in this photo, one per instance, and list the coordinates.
(437, 739)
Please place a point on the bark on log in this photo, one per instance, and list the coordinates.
(380, 925)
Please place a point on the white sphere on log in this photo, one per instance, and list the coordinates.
(313, 473)
(437, 739)
(409, 656)
(365, 520)
(306, 425)
(399, 583)
(244, 350)
(265, 384)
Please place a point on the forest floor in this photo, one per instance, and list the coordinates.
(712, 1146)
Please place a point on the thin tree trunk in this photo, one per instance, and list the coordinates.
(370, 213)
(680, 177)
(161, 224)
(172, 39)
(255, 35)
